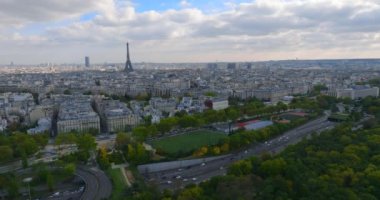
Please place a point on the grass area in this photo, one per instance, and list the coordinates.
(290, 117)
(188, 142)
(118, 183)
(339, 117)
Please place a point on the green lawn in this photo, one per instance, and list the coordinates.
(290, 117)
(339, 117)
(188, 142)
(118, 183)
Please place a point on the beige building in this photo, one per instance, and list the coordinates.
(273, 95)
(118, 116)
(120, 122)
(164, 105)
(77, 116)
(39, 112)
(356, 92)
(79, 124)
(219, 104)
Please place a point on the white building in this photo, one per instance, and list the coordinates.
(164, 105)
(77, 116)
(355, 92)
(219, 104)
(118, 116)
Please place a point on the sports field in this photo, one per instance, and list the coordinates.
(188, 142)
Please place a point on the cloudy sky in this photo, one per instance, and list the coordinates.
(61, 31)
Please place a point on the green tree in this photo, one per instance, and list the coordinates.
(152, 130)
(86, 143)
(167, 124)
(148, 120)
(24, 160)
(41, 139)
(69, 169)
(273, 167)
(13, 186)
(140, 133)
(5, 140)
(232, 114)
(318, 88)
(131, 152)
(281, 106)
(50, 181)
(67, 92)
(67, 138)
(23, 143)
(6, 153)
(188, 121)
(193, 193)
(103, 159)
(210, 94)
(122, 140)
(240, 168)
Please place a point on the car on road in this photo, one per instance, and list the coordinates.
(169, 182)
(203, 164)
(178, 177)
(194, 179)
(56, 194)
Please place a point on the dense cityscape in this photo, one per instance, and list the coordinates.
(158, 105)
(187, 100)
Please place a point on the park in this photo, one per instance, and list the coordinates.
(188, 142)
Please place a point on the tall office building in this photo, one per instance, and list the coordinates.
(87, 61)
(128, 64)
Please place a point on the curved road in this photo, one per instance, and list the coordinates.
(98, 186)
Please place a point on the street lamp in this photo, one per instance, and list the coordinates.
(28, 180)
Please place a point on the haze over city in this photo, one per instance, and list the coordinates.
(187, 31)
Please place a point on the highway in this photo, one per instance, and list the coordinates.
(180, 177)
(98, 186)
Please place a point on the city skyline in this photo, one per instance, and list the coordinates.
(188, 31)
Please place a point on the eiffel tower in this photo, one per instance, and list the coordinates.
(128, 64)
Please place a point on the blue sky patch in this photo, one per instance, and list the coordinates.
(162, 5)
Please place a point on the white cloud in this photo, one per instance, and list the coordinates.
(263, 29)
(184, 3)
(16, 12)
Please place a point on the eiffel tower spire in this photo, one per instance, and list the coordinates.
(128, 64)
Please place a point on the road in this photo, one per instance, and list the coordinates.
(180, 177)
(98, 186)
